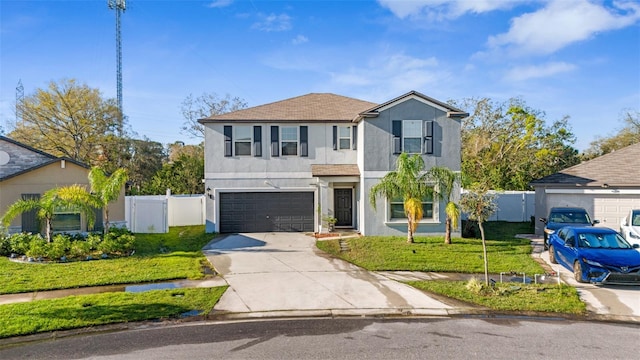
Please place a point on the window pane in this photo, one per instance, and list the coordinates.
(66, 222)
(289, 133)
(397, 211)
(345, 143)
(413, 145)
(412, 128)
(289, 148)
(345, 131)
(243, 148)
(427, 211)
(243, 133)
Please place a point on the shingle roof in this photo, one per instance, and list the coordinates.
(310, 107)
(619, 168)
(451, 110)
(335, 170)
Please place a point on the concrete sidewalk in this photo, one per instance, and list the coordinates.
(284, 274)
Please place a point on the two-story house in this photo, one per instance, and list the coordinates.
(291, 164)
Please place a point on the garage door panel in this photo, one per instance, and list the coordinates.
(266, 212)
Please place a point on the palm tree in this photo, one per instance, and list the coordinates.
(57, 199)
(445, 180)
(106, 189)
(408, 182)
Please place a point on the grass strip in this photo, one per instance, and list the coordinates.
(90, 310)
(550, 298)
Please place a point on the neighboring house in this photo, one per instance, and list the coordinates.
(288, 165)
(26, 173)
(607, 187)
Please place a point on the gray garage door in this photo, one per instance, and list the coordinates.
(266, 212)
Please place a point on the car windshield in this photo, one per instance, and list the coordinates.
(570, 217)
(600, 240)
(635, 218)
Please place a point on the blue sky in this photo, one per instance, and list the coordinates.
(579, 58)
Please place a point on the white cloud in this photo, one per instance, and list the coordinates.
(398, 72)
(561, 23)
(220, 3)
(520, 73)
(273, 22)
(300, 39)
(444, 9)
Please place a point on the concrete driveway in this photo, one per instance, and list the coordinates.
(285, 273)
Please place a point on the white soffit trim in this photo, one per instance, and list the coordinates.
(251, 175)
(414, 97)
(594, 191)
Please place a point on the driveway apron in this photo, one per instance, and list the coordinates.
(285, 271)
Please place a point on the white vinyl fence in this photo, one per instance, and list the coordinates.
(513, 206)
(155, 213)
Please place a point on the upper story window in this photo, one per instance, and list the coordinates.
(289, 140)
(396, 209)
(412, 136)
(242, 140)
(344, 137)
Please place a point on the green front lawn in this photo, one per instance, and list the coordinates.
(388, 253)
(158, 257)
(506, 253)
(90, 310)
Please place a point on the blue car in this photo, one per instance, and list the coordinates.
(596, 255)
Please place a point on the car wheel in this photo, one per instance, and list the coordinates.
(552, 255)
(577, 272)
(546, 243)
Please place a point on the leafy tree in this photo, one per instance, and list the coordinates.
(106, 189)
(480, 206)
(409, 182)
(507, 145)
(628, 135)
(146, 159)
(56, 199)
(446, 180)
(183, 175)
(70, 120)
(203, 106)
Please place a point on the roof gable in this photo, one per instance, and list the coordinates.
(311, 107)
(19, 158)
(612, 169)
(450, 110)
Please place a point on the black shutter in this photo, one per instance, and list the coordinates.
(275, 143)
(304, 141)
(396, 130)
(335, 138)
(98, 225)
(228, 144)
(30, 221)
(428, 137)
(354, 137)
(257, 141)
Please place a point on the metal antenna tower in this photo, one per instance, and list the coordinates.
(119, 6)
(19, 101)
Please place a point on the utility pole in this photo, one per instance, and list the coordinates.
(119, 6)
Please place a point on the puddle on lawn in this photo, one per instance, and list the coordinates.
(134, 288)
(154, 286)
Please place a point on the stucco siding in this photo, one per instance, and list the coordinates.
(47, 177)
(320, 151)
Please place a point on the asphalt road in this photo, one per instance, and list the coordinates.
(359, 338)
